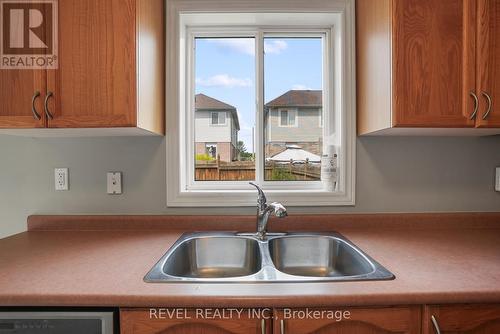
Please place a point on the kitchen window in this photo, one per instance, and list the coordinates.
(265, 80)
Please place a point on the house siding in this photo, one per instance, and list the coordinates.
(205, 132)
(308, 134)
(307, 130)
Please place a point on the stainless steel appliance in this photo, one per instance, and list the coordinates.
(56, 322)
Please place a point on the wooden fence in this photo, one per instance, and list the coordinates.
(220, 171)
(217, 170)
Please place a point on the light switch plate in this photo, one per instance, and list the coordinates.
(114, 182)
(497, 179)
(61, 179)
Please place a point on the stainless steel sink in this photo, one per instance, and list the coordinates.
(318, 256)
(214, 257)
(221, 257)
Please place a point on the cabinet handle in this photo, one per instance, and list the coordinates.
(282, 326)
(33, 108)
(263, 326)
(476, 105)
(435, 324)
(488, 98)
(47, 112)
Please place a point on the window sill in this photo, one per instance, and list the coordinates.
(231, 198)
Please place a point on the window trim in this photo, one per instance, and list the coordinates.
(343, 46)
(295, 111)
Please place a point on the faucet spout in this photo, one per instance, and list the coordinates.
(264, 210)
(261, 199)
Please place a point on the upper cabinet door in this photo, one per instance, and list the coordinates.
(21, 98)
(488, 63)
(433, 62)
(95, 83)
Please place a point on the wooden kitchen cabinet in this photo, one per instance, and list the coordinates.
(110, 71)
(138, 321)
(21, 104)
(488, 62)
(423, 64)
(448, 319)
(94, 85)
(360, 321)
(458, 319)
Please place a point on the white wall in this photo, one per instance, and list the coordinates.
(394, 174)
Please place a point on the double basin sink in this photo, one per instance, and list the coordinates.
(224, 257)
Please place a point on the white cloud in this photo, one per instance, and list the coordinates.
(247, 45)
(301, 87)
(275, 47)
(223, 80)
(240, 45)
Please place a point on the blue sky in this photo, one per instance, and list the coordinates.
(225, 70)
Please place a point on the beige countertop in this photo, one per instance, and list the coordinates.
(78, 267)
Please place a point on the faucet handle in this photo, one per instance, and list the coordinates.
(262, 200)
(279, 210)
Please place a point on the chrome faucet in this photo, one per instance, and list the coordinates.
(264, 210)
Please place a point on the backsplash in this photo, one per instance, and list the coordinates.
(394, 174)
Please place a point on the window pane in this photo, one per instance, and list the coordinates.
(293, 78)
(215, 118)
(222, 118)
(284, 118)
(291, 118)
(225, 97)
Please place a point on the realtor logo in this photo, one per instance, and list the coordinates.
(28, 33)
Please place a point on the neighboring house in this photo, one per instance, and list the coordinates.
(294, 118)
(216, 128)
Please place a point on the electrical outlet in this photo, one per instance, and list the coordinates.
(114, 183)
(497, 179)
(61, 179)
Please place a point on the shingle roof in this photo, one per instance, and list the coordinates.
(203, 102)
(297, 98)
(206, 103)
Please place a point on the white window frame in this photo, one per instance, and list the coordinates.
(295, 111)
(185, 17)
(218, 113)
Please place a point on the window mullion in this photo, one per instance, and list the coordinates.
(259, 84)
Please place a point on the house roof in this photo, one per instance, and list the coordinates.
(297, 98)
(206, 103)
